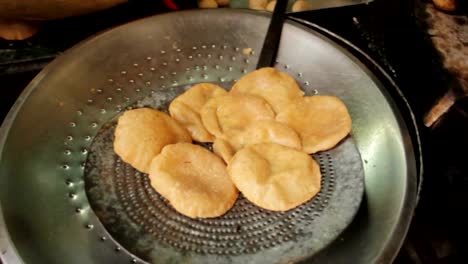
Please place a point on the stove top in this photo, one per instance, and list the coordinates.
(394, 34)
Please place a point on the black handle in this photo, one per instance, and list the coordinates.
(273, 36)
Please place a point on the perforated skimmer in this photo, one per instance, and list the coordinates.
(84, 205)
(144, 222)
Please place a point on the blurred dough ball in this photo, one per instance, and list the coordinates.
(207, 4)
(141, 134)
(194, 180)
(446, 5)
(271, 6)
(258, 4)
(247, 51)
(186, 107)
(223, 2)
(275, 177)
(17, 30)
(301, 5)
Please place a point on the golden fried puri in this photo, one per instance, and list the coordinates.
(193, 179)
(320, 121)
(231, 113)
(223, 149)
(266, 131)
(275, 177)
(278, 88)
(186, 109)
(142, 133)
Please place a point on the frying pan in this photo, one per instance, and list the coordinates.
(66, 198)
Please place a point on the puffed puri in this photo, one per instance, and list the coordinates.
(275, 177)
(194, 180)
(142, 133)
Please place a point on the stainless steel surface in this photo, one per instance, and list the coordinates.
(314, 4)
(46, 137)
(336, 253)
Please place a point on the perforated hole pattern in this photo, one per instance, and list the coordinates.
(246, 228)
